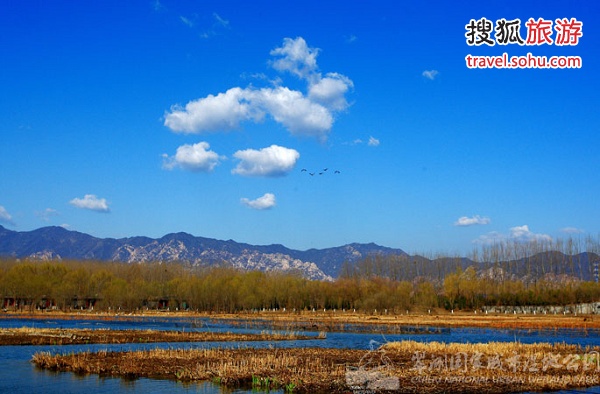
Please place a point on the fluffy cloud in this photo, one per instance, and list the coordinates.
(296, 58)
(222, 112)
(265, 202)
(470, 221)
(5, 217)
(523, 234)
(330, 91)
(298, 114)
(430, 74)
(195, 157)
(516, 234)
(270, 162)
(310, 114)
(91, 202)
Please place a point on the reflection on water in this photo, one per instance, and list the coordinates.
(18, 375)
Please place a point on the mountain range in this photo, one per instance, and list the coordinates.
(53, 243)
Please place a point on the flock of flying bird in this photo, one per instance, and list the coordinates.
(320, 172)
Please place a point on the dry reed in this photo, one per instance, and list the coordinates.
(411, 366)
(52, 336)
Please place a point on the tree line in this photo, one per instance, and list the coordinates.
(374, 284)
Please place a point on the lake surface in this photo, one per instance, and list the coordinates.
(18, 375)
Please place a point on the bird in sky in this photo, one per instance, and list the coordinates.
(319, 172)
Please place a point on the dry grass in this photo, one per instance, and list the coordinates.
(52, 336)
(323, 320)
(411, 366)
(300, 369)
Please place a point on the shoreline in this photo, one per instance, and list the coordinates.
(329, 319)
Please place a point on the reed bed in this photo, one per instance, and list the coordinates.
(408, 366)
(306, 370)
(52, 336)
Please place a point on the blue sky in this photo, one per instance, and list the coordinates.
(150, 117)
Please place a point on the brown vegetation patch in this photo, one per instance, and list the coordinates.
(404, 367)
(47, 336)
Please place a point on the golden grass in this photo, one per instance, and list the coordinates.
(52, 336)
(410, 366)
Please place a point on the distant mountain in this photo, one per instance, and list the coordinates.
(58, 243)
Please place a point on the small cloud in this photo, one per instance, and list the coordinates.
(157, 5)
(186, 21)
(351, 38)
(572, 230)
(516, 234)
(470, 221)
(46, 214)
(6, 217)
(296, 57)
(220, 21)
(265, 202)
(91, 202)
(373, 141)
(195, 157)
(218, 25)
(430, 74)
(522, 233)
(269, 162)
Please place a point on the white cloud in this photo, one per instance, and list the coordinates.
(470, 221)
(310, 114)
(220, 21)
(91, 202)
(330, 91)
(516, 234)
(186, 21)
(572, 230)
(373, 141)
(270, 162)
(265, 202)
(296, 58)
(298, 114)
(522, 233)
(430, 74)
(195, 157)
(222, 112)
(5, 217)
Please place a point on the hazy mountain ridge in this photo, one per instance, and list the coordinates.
(58, 243)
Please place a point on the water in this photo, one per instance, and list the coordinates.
(18, 375)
